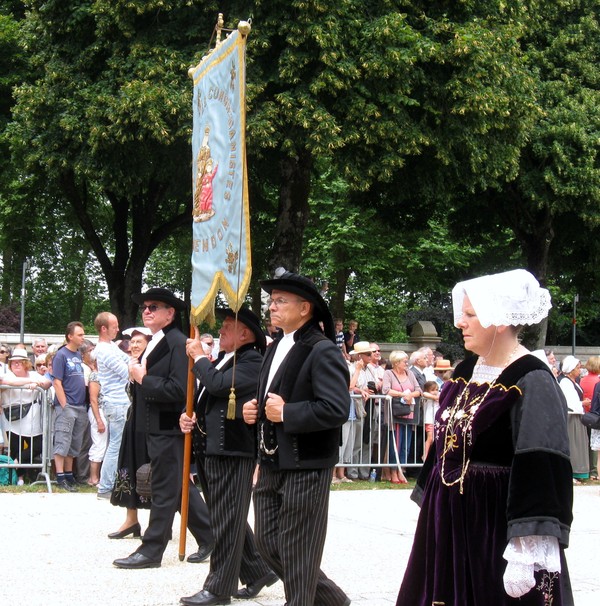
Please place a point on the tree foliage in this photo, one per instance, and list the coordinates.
(393, 149)
(106, 121)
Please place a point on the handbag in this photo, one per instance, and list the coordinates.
(16, 411)
(143, 481)
(591, 420)
(400, 408)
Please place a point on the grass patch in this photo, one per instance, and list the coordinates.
(33, 488)
(366, 485)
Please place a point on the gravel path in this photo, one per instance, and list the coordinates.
(56, 552)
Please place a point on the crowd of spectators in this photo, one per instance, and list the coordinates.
(63, 377)
(376, 444)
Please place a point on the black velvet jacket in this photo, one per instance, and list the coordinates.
(531, 439)
(313, 381)
(160, 397)
(219, 435)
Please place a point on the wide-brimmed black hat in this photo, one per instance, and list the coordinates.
(302, 286)
(249, 319)
(163, 295)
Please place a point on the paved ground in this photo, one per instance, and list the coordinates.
(55, 551)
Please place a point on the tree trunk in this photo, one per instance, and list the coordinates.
(338, 299)
(293, 212)
(124, 273)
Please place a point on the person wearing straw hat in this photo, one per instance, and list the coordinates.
(159, 395)
(225, 450)
(302, 402)
(495, 491)
(22, 410)
(443, 371)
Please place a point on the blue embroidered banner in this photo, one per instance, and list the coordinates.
(221, 216)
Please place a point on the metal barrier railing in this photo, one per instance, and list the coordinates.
(25, 422)
(373, 440)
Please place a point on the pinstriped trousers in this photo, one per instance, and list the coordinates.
(290, 510)
(227, 487)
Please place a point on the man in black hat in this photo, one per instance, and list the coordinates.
(302, 402)
(159, 395)
(225, 450)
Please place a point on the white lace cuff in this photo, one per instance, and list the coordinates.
(542, 552)
(524, 555)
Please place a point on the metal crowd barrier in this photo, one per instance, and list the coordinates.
(369, 439)
(26, 452)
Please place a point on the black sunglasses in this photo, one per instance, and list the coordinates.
(152, 307)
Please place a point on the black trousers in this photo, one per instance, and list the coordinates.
(291, 510)
(227, 487)
(166, 458)
(27, 449)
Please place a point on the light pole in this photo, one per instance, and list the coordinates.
(25, 268)
(575, 301)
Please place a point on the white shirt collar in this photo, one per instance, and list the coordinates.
(156, 338)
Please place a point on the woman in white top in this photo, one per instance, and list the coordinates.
(22, 411)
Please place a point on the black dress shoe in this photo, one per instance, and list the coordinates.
(253, 589)
(136, 560)
(134, 529)
(204, 598)
(201, 555)
(66, 486)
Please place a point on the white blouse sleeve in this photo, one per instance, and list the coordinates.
(526, 555)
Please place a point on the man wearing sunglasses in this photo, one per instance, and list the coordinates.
(3, 358)
(159, 396)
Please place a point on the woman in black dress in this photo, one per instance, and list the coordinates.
(132, 456)
(495, 491)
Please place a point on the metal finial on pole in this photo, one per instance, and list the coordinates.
(220, 25)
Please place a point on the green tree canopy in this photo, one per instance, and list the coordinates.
(393, 148)
(104, 122)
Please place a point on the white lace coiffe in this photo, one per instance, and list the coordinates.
(512, 298)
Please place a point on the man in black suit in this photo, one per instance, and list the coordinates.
(159, 394)
(225, 450)
(301, 405)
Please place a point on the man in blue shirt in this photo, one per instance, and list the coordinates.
(71, 415)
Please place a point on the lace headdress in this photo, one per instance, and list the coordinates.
(512, 298)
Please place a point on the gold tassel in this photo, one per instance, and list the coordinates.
(231, 405)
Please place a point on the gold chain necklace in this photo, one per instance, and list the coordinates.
(460, 416)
